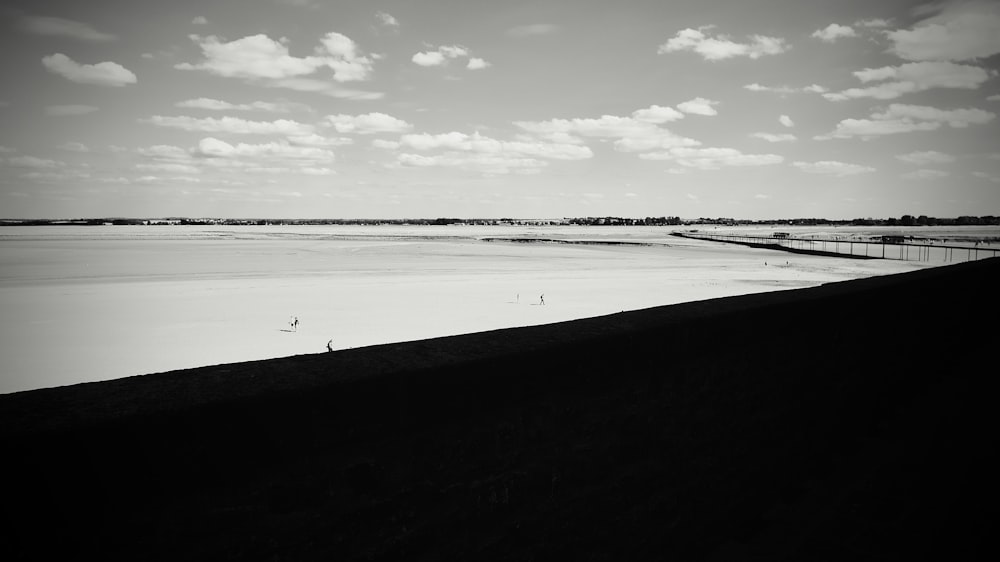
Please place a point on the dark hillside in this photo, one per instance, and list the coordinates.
(843, 422)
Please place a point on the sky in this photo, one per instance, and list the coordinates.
(758, 109)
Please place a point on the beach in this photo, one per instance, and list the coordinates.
(82, 304)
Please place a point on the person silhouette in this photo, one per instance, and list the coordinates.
(329, 345)
(541, 299)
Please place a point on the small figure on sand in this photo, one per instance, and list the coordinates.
(329, 345)
(295, 324)
(541, 299)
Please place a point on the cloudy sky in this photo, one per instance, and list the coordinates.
(478, 108)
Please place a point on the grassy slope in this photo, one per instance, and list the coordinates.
(849, 421)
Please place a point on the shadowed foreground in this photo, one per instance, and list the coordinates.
(843, 422)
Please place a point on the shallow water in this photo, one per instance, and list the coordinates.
(82, 304)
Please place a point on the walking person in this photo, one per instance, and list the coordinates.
(295, 325)
(329, 345)
(541, 300)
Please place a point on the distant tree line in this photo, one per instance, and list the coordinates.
(905, 220)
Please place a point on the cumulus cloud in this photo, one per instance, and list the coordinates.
(710, 158)
(894, 81)
(699, 106)
(101, 74)
(386, 19)
(260, 59)
(657, 114)
(901, 118)
(786, 121)
(769, 137)
(834, 31)
(200, 20)
(445, 53)
(456, 141)
(41, 25)
(832, 168)
(34, 162)
(632, 134)
(216, 148)
(368, 123)
(230, 125)
(926, 157)
(721, 47)
(958, 30)
(67, 110)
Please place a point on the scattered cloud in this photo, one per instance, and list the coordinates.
(632, 134)
(67, 110)
(721, 47)
(895, 81)
(900, 118)
(712, 158)
(994, 97)
(42, 25)
(657, 114)
(215, 148)
(958, 30)
(834, 31)
(832, 168)
(476, 63)
(784, 90)
(231, 125)
(260, 59)
(368, 123)
(219, 105)
(478, 143)
(699, 106)
(200, 20)
(532, 29)
(386, 19)
(925, 174)
(786, 121)
(445, 53)
(926, 157)
(101, 74)
(769, 137)
(34, 162)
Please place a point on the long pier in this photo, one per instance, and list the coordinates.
(856, 249)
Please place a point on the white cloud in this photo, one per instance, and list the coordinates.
(324, 87)
(260, 58)
(319, 140)
(532, 29)
(926, 157)
(456, 141)
(873, 23)
(633, 134)
(41, 25)
(699, 106)
(101, 74)
(657, 114)
(712, 158)
(834, 31)
(769, 137)
(924, 174)
(784, 90)
(368, 123)
(216, 148)
(832, 168)
(200, 20)
(901, 118)
(485, 163)
(219, 105)
(959, 30)
(386, 19)
(786, 121)
(445, 53)
(995, 97)
(171, 167)
(913, 77)
(65, 110)
(230, 125)
(386, 144)
(476, 63)
(721, 47)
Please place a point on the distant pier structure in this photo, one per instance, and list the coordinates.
(894, 247)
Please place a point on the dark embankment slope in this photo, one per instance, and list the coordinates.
(844, 422)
